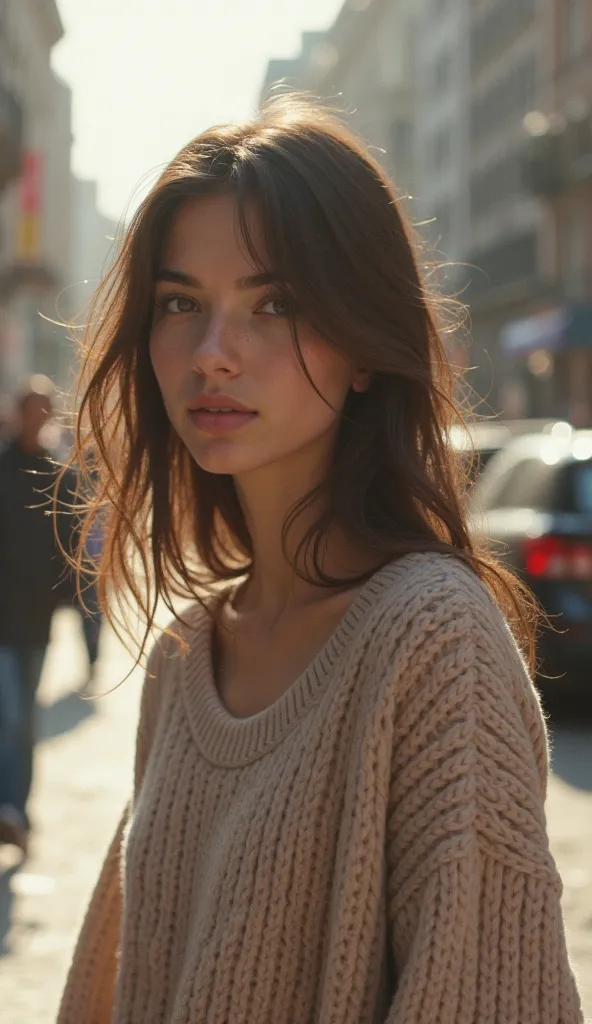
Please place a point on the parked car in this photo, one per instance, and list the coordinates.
(535, 499)
(479, 441)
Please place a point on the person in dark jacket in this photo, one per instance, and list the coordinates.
(31, 568)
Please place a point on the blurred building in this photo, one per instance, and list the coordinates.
(92, 250)
(481, 109)
(295, 72)
(35, 197)
(93, 243)
(507, 67)
(11, 109)
(440, 184)
(363, 67)
(553, 350)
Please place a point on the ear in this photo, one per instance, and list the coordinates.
(362, 380)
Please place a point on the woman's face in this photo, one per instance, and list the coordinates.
(221, 340)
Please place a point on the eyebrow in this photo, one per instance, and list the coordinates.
(244, 283)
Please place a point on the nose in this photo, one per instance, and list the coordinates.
(217, 352)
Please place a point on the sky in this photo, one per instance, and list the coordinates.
(148, 75)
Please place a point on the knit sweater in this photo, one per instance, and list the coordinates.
(371, 847)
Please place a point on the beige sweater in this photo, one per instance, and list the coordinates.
(370, 848)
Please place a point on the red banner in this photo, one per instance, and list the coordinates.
(31, 181)
(30, 206)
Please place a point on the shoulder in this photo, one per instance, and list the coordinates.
(436, 617)
(175, 643)
(423, 595)
(163, 668)
(453, 658)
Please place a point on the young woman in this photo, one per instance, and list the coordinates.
(341, 760)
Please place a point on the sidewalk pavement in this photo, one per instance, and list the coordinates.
(83, 779)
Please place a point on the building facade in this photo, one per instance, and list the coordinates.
(294, 72)
(441, 138)
(507, 278)
(554, 353)
(363, 67)
(481, 109)
(35, 202)
(94, 242)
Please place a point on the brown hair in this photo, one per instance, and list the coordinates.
(336, 235)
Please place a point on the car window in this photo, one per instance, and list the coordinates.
(583, 487)
(528, 483)
(475, 461)
(575, 490)
(484, 455)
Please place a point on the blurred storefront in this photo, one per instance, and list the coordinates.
(557, 170)
(35, 201)
(549, 363)
(11, 133)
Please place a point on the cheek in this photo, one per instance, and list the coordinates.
(329, 371)
(300, 412)
(166, 358)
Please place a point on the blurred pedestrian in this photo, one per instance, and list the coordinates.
(84, 599)
(31, 567)
(88, 602)
(338, 804)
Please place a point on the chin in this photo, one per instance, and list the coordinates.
(223, 458)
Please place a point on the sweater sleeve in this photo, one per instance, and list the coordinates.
(473, 893)
(90, 986)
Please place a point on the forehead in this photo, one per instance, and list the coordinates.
(207, 231)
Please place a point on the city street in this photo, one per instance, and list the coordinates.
(83, 779)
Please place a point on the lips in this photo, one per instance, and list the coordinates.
(217, 414)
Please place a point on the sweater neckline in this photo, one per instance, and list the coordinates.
(228, 741)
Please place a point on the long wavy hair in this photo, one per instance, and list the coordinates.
(337, 236)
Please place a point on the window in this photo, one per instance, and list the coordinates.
(441, 227)
(497, 26)
(509, 99)
(583, 487)
(442, 73)
(575, 492)
(401, 141)
(528, 484)
(574, 254)
(514, 259)
(496, 184)
(436, 8)
(440, 147)
(574, 27)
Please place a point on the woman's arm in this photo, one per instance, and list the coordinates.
(473, 891)
(90, 987)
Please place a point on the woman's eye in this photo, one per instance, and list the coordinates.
(178, 304)
(277, 307)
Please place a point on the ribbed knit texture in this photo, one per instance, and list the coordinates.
(370, 848)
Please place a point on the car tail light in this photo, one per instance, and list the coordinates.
(558, 558)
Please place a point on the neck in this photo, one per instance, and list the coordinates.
(268, 497)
